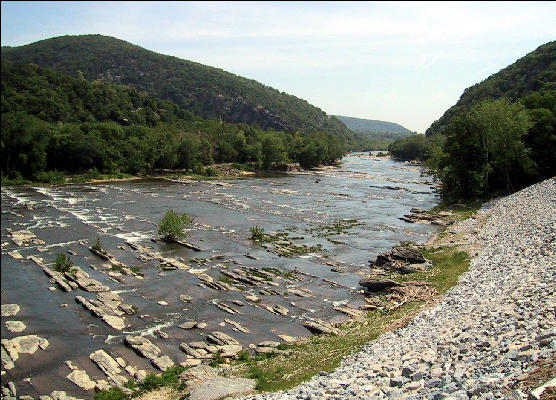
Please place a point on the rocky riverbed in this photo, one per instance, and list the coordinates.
(489, 334)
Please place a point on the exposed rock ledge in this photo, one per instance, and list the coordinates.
(487, 334)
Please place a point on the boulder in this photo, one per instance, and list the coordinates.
(9, 310)
(143, 346)
(220, 338)
(81, 379)
(220, 387)
(24, 344)
(320, 327)
(408, 254)
(377, 284)
(15, 326)
(109, 366)
(198, 374)
(162, 363)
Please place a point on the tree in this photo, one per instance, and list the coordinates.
(172, 226)
(484, 149)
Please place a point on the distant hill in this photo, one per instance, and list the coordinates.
(374, 126)
(535, 72)
(204, 90)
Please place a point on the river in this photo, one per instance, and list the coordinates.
(368, 194)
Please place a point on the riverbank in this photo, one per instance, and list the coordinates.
(487, 336)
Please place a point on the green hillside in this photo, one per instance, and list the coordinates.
(535, 72)
(53, 124)
(206, 91)
(375, 127)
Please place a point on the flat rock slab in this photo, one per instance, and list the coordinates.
(24, 344)
(220, 387)
(9, 310)
(15, 326)
(81, 379)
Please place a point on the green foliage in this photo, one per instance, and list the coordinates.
(97, 246)
(415, 147)
(202, 90)
(63, 263)
(257, 233)
(172, 225)
(484, 149)
(170, 377)
(532, 73)
(113, 393)
(97, 129)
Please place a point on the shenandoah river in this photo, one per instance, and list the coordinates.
(364, 197)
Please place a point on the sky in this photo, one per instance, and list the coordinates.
(403, 62)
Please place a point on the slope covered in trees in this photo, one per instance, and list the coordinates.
(373, 126)
(206, 91)
(54, 122)
(535, 72)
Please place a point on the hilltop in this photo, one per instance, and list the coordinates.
(535, 72)
(206, 91)
(375, 127)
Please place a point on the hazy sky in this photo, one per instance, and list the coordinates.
(399, 62)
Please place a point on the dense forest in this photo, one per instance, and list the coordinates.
(55, 122)
(500, 136)
(206, 91)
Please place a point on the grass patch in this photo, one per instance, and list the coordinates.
(460, 211)
(337, 228)
(169, 378)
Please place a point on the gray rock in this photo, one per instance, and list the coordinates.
(219, 387)
(9, 310)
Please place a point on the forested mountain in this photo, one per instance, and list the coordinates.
(372, 126)
(206, 91)
(535, 72)
(54, 123)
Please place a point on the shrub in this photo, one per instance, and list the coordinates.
(97, 246)
(257, 233)
(52, 177)
(63, 263)
(173, 225)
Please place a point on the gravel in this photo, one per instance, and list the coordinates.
(486, 332)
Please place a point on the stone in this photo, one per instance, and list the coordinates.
(320, 327)
(377, 284)
(220, 387)
(7, 362)
(220, 338)
(408, 254)
(24, 344)
(191, 362)
(15, 326)
(230, 350)
(188, 325)
(81, 379)
(198, 374)
(109, 366)
(9, 310)
(162, 363)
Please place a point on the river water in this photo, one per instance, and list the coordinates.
(371, 192)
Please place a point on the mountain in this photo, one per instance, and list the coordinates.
(374, 126)
(53, 124)
(535, 72)
(204, 90)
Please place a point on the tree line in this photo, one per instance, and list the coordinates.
(54, 122)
